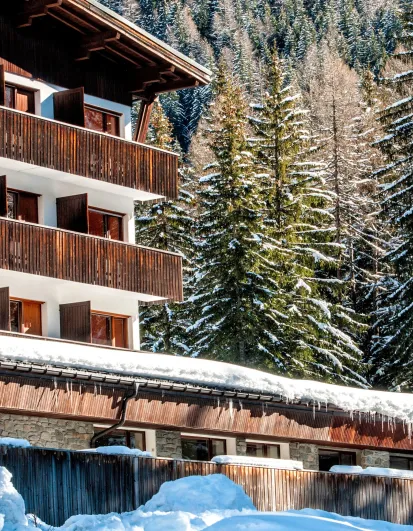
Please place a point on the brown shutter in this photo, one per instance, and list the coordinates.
(75, 322)
(72, 213)
(2, 86)
(4, 309)
(3, 196)
(69, 106)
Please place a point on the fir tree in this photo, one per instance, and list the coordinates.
(231, 294)
(300, 248)
(393, 350)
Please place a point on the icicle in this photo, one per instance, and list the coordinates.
(80, 389)
(218, 402)
(231, 408)
(71, 393)
(240, 404)
(67, 386)
(313, 411)
(55, 382)
(319, 405)
(95, 390)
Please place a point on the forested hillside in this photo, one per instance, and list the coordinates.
(295, 216)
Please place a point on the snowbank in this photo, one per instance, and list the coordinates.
(201, 503)
(280, 464)
(17, 443)
(199, 493)
(117, 450)
(372, 471)
(207, 372)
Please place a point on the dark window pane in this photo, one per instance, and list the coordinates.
(101, 330)
(400, 463)
(327, 459)
(27, 207)
(112, 124)
(96, 223)
(10, 97)
(255, 450)
(119, 332)
(15, 316)
(273, 451)
(195, 449)
(94, 119)
(218, 448)
(11, 205)
(347, 459)
(114, 228)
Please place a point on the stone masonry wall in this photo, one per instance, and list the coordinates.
(307, 453)
(168, 444)
(374, 458)
(46, 432)
(241, 447)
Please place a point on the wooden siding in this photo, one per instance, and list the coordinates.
(159, 409)
(60, 254)
(70, 149)
(66, 485)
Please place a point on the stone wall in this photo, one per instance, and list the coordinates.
(46, 432)
(374, 458)
(168, 444)
(307, 453)
(241, 447)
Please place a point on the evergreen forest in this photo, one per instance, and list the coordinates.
(295, 212)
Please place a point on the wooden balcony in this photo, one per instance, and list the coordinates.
(71, 149)
(60, 254)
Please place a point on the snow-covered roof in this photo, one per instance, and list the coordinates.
(205, 373)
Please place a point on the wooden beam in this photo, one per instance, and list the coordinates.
(147, 76)
(35, 8)
(142, 124)
(171, 86)
(95, 42)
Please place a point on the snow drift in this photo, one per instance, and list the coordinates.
(209, 373)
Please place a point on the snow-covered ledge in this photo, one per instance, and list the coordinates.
(208, 373)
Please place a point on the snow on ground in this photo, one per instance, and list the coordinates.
(206, 372)
(280, 464)
(17, 443)
(195, 503)
(117, 450)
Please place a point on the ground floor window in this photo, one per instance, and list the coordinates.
(401, 463)
(263, 450)
(26, 317)
(131, 439)
(199, 449)
(329, 458)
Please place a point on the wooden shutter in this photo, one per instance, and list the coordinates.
(4, 309)
(32, 318)
(75, 322)
(72, 213)
(69, 106)
(2, 86)
(27, 209)
(3, 196)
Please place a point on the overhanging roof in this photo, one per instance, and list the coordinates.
(153, 66)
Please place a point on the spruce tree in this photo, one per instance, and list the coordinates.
(232, 291)
(393, 350)
(301, 252)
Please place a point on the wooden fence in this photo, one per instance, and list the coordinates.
(57, 484)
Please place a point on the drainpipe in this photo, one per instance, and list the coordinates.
(121, 422)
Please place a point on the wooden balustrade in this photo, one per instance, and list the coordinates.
(65, 255)
(70, 149)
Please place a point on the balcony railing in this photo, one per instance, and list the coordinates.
(70, 149)
(65, 255)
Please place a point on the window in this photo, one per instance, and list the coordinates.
(109, 330)
(22, 206)
(20, 99)
(26, 317)
(105, 224)
(199, 449)
(101, 120)
(401, 463)
(131, 439)
(329, 458)
(263, 450)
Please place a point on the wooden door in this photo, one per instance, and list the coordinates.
(4, 309)
(32, 318)
(27, 207)
(69, 106)
(72, 213)
(75, 322)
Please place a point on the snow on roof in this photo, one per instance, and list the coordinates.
(208, 373)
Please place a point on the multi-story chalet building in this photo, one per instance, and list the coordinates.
(72, 276)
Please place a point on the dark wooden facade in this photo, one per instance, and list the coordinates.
(157, 408)
(56, 253)
(58, 146)
(70, 483)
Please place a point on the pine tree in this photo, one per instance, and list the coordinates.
(166, 225)
(231, 295)
(393, 350)
(300, 250)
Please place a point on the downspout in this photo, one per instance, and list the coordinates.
(122, 420)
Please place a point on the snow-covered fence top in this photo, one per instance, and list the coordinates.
(208, 373)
